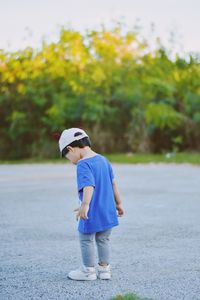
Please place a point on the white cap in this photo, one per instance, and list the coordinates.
(69, 135)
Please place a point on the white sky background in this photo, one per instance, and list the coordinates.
(25, 22)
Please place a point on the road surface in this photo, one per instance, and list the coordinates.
(155, 252)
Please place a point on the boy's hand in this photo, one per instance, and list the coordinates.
(120, 210)
(82, 211)
(77, 213)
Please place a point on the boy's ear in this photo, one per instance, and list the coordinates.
(69, 148)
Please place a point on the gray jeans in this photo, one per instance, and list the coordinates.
(87, 247)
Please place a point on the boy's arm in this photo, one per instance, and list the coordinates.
(87, 197)
(116, 193)
(117, 199)
(87, 194)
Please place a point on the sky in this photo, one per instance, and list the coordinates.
(26, 22)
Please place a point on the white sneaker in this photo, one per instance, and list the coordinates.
(84, 273)
(103, 272)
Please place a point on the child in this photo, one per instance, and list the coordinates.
(99, 200)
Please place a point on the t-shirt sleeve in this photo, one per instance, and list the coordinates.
(85, 176)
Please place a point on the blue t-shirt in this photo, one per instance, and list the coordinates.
(96, 171)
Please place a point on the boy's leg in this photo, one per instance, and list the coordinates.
(102, 241)
(87, 249)
(87, 271)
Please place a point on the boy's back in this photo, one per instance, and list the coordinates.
(96, 171)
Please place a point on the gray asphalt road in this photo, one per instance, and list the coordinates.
(155, 250)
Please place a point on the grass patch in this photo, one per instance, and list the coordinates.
(128, 297)
(191, 158)
(34, 161)
(129, 158)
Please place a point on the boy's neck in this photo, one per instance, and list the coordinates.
(87, 152)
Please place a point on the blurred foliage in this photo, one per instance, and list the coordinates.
(108, 82)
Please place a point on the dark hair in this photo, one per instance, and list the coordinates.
(80, 143)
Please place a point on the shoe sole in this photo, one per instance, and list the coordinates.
(105, 277)
(85, 279)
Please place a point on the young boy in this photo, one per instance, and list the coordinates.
(99, 200)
